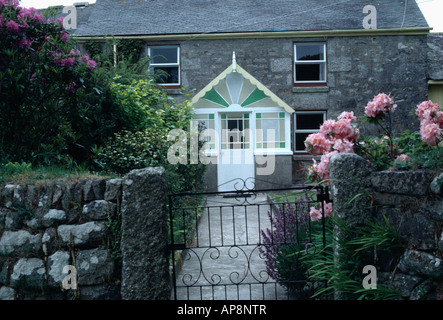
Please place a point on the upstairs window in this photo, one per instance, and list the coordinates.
(165, 63)
(309, 64)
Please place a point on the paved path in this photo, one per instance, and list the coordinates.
(224, 261)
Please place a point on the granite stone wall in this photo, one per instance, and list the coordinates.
(82, 239)
(412, 201)
(358, 68)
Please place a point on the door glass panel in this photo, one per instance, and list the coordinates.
(235, 130)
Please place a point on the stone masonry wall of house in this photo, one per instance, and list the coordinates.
(412, 201)
(358, 68)
(46, 227)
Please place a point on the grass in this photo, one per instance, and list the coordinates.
(24, 173)
(291, 196)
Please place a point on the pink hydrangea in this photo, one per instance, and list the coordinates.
(381, 104)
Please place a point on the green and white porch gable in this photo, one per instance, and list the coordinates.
(246, 121)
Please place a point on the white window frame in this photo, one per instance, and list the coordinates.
(296, 62)
(177, 64)
(305, 130)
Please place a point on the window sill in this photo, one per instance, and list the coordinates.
(304, 156)
(173, 90)
(264, 152)
(310, 89)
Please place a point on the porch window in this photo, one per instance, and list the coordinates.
(165, 63)
(305, 123)
(206, 125)
(270, 130)
(309, 63)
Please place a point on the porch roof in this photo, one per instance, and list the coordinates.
(252, 93)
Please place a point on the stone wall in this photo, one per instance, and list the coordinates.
(45, 227)
(358, 68)
(435, 56)
(72, 231)
(412, 201)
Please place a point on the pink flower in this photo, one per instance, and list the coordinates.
(316, 214)
(430, 132)
(343, 146)
(13, 26)
(328, 127)
(347, 115)
(322, 168)
(25, 43)
(75, 53)
(402, 157)
(91, 64)
(64, 36)
(381, 104)
(31, 14)
(71, 87)
(317, 143)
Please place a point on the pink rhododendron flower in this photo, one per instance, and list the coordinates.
(25, 43)
(316, 215)
(91, 64)
(402, 157)
(322, 168)
(343, 146)
(429, 111)
(13, 26)
(430, 132)
(347, 115)
(64, 37)
(319, 143)
(381, 104)
(328, 127)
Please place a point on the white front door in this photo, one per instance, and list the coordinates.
(236, 161)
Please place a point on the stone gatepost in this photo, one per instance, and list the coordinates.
(144, 243)
(351, 201)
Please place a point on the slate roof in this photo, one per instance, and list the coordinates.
(166, 17)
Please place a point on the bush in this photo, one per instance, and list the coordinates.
(285, 243)
(43, 82)
(151, 114)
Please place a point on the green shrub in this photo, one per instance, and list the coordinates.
(150, 115)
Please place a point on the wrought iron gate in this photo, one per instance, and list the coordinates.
(227, 245)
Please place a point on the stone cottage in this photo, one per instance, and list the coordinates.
(296, 64)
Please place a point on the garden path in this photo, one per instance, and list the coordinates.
(224, 261)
